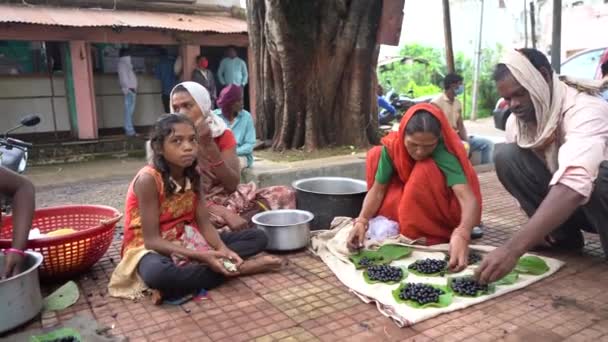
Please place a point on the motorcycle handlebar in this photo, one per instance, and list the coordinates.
(15, 142)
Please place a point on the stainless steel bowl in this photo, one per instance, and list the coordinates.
(286, 229)
(328, 197)
(20, 297)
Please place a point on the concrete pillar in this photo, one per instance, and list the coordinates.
(252, 81)
(189, 53)
(84, 91)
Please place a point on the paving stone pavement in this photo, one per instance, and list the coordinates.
(306, 302)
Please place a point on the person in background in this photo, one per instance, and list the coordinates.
(239, 121)
(232, 70)
(554, 162)
(452, 108)
(203, 76)
(387, 112)
(128, 85)
(22, 193)
(164, 72)
(604, 68)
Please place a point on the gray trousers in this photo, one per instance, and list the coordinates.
(159, 272)
(526, 178)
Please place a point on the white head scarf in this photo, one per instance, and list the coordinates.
(203, 100)
(547, 103)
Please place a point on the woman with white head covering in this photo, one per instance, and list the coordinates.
(231, 205)
(217, 154)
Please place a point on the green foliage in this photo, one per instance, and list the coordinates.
(425, 67)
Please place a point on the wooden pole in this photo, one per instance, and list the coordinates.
(533, 24)
(475, 96)
(556, 39)
(447, 29)
(526, 23)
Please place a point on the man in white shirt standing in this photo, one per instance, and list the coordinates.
(232, 70)
(128, 85)
(453, 86)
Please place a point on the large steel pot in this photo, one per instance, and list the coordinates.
(328, 197)
(20, 297)
(286, 229)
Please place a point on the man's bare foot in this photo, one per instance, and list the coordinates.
(263, 263)
(157, 297)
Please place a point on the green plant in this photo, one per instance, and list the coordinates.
(423, 70)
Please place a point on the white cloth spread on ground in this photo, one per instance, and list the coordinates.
(330, 246)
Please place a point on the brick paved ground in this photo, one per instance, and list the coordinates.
(305, 302)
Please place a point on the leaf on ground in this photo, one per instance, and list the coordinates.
(531, 265)
(370, 281)
(444, 299)
(64, 297)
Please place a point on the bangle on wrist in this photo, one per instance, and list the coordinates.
(362, 220)
(14, 251)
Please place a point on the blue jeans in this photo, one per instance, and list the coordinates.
(484, 146)
(129, 110)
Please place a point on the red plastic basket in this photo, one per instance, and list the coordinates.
(71, 254)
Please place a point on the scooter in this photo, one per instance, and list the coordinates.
(13, 153)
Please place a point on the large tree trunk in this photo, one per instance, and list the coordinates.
(315, 61)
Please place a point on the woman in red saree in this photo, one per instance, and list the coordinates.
(421, 178)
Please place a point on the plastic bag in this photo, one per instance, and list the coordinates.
(381, 228)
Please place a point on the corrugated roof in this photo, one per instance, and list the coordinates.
(76, 17)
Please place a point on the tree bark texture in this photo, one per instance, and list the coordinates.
(315, 64)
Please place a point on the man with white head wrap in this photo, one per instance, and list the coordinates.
(555, 162)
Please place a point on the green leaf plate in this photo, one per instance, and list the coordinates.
(388, 253)
(444, 300)
(370, 281)
(509, 279)
(531, 265)
(491, 289)
(436, 274)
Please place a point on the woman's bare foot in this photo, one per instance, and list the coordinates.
(157, 297)
(263, 263)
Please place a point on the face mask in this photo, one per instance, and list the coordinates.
(459, 90)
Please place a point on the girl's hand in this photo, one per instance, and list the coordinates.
(213, 259)
(459, 250)
(232, 256)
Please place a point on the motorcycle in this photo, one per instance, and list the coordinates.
(403, 102)
(14, 153)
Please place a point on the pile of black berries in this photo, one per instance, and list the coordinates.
(467, 286)
(369, 261)
(421, 293)
(384, 273)
(474, 258)
(429, 266)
